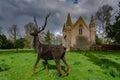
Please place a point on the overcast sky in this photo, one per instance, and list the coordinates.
(21, 12)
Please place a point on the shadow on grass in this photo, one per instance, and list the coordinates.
(50, 67)
(103, 62)
(116, 53)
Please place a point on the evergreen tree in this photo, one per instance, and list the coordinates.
(47, 38)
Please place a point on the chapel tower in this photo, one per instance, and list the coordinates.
(92, 31)
(67, 32)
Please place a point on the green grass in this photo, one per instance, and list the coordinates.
(84, 65)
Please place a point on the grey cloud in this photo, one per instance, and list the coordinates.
(22, 11)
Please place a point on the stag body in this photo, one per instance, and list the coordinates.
(48, 52)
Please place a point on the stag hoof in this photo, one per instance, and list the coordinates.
(33, 72)
(65, 74)
(58, 75)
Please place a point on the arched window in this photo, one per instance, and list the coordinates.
(80, 30)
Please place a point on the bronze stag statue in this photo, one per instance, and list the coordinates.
(48, 52)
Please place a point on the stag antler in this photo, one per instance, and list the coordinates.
(36, 25)
(43, 27)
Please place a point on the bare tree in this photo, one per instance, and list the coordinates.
(58, 39)
(13, 32)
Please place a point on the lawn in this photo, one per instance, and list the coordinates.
(84, 65)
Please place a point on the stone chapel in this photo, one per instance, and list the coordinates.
(78, 35)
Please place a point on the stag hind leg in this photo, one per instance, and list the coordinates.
(35, 65)
(59, 69)
(67, 66)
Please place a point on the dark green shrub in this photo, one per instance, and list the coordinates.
(3, 67)
(91, 70)
(11, 57)
(3, 60)
(105, 66)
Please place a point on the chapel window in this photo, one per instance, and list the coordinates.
(80, 30)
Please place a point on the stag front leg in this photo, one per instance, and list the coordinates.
(58, 67)
(35, 65)
(46, 66)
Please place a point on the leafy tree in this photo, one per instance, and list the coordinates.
(3, 40)
(4, 43)
(47, 38)
(9, 44)
(19, 43)
(113, 30)
(103, 16)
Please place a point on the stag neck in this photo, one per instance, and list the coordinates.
(36, 43)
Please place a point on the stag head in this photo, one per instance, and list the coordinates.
(36, 28)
